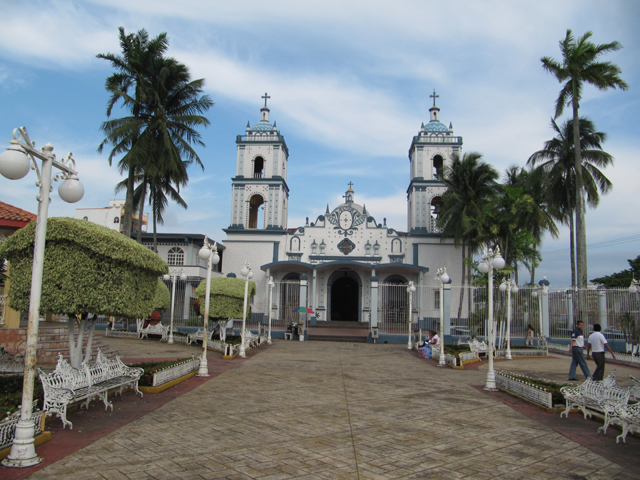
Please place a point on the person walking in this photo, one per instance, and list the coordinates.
(598, 343)
(576, 348)
(530, 333)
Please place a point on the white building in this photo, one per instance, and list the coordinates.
(111, 216)
(345, 253)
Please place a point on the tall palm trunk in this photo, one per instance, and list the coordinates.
(581, 230)
(128, 204)
(155, 229)
(143, 197)
(462, 282)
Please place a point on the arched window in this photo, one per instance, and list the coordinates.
(175, 256)
(256, 212)
(436, 206)
(258, 167)
(396, 246)
(438, 167)
(116, 219)
(295, 244)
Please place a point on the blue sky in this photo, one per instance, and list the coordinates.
(349, 85)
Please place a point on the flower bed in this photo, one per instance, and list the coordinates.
(11, 394)
(540, 392)
(159, 373)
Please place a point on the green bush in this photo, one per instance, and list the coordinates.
(87, 269)
(227, 297)
(11, 394)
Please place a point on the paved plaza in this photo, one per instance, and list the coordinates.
(330, 410)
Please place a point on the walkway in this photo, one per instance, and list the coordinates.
(323, 410)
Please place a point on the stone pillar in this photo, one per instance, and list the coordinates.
(602, 308)
(304, 280)
(265, 314)
(446, 308)
(314, 296)
(570, 311)
(374, 302)
(544, 305)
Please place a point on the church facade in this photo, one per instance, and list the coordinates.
(345, 254)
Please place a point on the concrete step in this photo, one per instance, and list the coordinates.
(337, 338)
(337, 324)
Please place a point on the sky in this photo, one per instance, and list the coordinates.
(349, 83)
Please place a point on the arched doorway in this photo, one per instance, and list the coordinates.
(344, 300)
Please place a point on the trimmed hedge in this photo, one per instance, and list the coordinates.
(227, 297)
(87, 269)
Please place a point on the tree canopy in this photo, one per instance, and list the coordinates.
(621, 279)
(87, 269)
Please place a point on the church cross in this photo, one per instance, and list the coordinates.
(350, 184)
(267, 97)
(434, 96)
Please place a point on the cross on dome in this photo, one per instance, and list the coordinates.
(434, 96)
(266, 97)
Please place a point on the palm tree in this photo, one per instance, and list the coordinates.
(133, 69)
(557, 160)
(469, 183)
(580, 65)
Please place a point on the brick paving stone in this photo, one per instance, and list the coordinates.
(323, 410)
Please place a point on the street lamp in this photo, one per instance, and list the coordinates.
(510, 287)
(491, 259)
(410, 289)
(248, 275)
(635, 286)
(442, 275)
(271, 285)
(173, 273)
(209, 253)
(14, 165)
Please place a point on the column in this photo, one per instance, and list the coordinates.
(602, 308)
(545, 312)
(374, 302)
(304, 280)
(446, 308)
(314, 293)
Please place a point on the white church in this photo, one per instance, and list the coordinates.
(346, 253)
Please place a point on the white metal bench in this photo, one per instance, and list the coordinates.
(478, 347)
(601, 396)
(67, 385)
(629, 418)
(10, 363)
(157, 329)
(195, 336)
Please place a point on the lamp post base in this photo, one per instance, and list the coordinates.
(23, 451)
(203, 371)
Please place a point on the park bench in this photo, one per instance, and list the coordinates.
(635, 383)
(67, 385)
(157, 329)
(10, 363)
(601, 396)
(198, 335)
(478, 347)
(629, 418)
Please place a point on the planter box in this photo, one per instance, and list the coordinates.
(8, 429)
(537, 352)
(517, 386)
(174, 372)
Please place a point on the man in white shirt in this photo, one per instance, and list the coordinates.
(598, 343)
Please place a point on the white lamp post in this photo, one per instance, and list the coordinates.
(14, 165)
(248, 275)
(444, 278)
(510, 287)
(491, 259)
(635, 286)
(173, 273)
(271, 285)
(410, 289)
(209, 253)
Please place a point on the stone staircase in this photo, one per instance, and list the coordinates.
(53, 338)
(334, 331)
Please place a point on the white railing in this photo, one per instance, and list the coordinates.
(518, 385)
(4, 301)
(8, 426)
(175, 371)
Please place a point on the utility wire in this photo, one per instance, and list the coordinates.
(605, 243)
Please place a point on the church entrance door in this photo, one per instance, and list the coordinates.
(344, 300)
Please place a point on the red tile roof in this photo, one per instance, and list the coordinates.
(14, 216)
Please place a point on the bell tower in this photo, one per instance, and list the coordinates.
(260, 194)
(430, 152)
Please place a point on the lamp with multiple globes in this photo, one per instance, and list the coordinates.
(248, 275)
(15, 163)
(491, 259)
(209, 253)
(443, 277)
